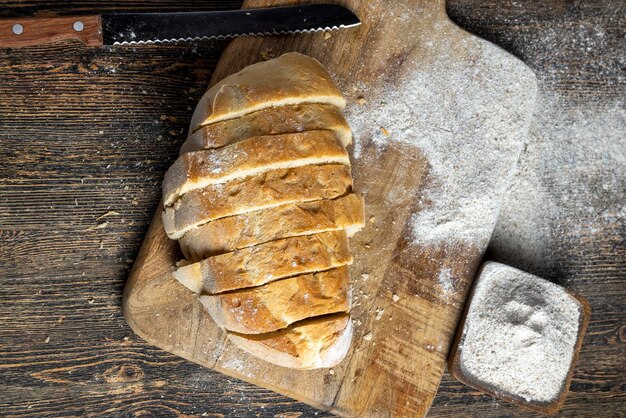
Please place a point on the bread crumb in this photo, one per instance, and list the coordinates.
(365, 276)
(327, 35)
(384, 131)
(192, 90)
(395, 297)
(47, 340)
(61, 319)
(267, 54)
(91, 301)
(368, 336)
(172, 133)
(372, 219)
(361, 101)
(379, 314)
(331, 371)
(163, 117)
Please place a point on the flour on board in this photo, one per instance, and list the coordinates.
(469, 120)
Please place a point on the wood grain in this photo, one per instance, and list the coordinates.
(55, 100)
(43, 30)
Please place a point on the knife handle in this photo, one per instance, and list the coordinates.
(29, 31)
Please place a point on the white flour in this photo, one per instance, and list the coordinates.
(469, 120)
(520, 333)
(445, 280)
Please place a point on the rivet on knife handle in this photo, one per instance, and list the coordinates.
(16, 33)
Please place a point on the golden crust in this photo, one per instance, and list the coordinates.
(252, 228)
(278, 304)
(264, 263)
(271, 121)
(270, 189)
(309, 344)
(251, 157)
(290, 79)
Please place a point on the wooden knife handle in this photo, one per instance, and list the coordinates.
(16, 33)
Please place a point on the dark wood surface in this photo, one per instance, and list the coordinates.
(89, 132)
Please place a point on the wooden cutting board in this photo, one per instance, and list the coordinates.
(439, 118)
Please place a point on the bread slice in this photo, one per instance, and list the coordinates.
(250, 157)
(276, 305)
(270, 189)
(271, 121)
(253, 228)
(310, 344)
(290, 79)
(264, 263)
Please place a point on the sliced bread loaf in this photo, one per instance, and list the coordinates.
(270, 189)
(264, 263)
(270, 121)
(310, 344)
(252, 228)
(276, 305)
(290, 79)
(250, 157)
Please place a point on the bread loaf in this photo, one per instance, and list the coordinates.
(264, 263)
(278, 304)
(290, 79)
(271, 189)
(251, 157)
(252, 228)
(260, 199)
(270, 121)
(313, 343)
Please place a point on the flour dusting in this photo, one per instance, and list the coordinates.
(469, 120)
(445, 280)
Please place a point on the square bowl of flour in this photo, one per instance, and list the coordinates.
(519, 338)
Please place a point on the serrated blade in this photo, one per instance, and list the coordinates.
(148, 28)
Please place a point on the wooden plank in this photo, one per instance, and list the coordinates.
(396, 363)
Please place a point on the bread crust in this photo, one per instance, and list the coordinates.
(310, 344)
(265, 263)
(270, 189)
(260, 200)
(270, 121)
(290, 79)
(278, 304)
(252, 156)
(253, 228)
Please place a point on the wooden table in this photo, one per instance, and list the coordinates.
(87, 134)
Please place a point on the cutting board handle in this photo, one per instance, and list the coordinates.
(17, 33)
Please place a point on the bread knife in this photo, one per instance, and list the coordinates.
(151, 28)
